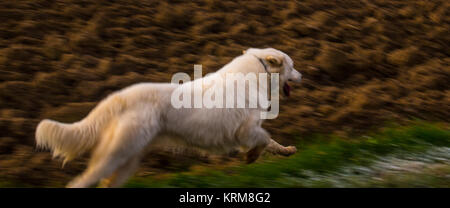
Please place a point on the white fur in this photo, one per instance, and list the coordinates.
(128, 121)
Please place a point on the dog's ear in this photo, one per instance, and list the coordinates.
(243, 51)
(274, 61)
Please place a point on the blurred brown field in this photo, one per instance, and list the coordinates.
(364, 63)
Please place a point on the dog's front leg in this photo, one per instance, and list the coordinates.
(275, 148)
(257, 141)
(254, 153)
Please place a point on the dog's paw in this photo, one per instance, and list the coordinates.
(290, 150)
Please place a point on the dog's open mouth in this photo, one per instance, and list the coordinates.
(286, 89)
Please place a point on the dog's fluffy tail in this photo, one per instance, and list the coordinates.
(65, 140)
(71, 140)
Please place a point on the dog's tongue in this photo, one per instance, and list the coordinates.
(286, 89)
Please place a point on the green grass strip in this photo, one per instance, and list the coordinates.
(321, 154)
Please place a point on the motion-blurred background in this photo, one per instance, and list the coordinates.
(366, 64)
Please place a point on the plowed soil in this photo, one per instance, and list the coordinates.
(364, 63)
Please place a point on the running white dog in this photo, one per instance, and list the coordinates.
(124, 124)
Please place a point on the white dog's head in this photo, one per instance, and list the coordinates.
(275, 61)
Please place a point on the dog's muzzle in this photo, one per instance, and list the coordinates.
(296, 77)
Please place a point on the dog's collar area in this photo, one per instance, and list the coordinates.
(265, 68)
(262, 62)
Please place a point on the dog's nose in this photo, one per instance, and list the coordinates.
(295, 76)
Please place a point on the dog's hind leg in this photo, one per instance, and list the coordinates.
(279, 149)
(122, 173)
(126, 139)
